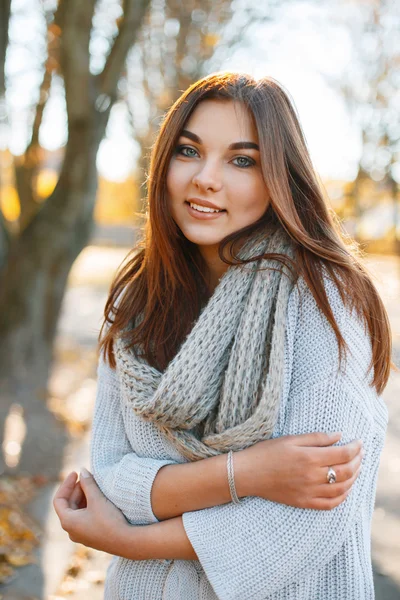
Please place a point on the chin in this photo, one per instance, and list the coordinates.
(203, 238)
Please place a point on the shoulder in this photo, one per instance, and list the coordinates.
(314, 346)
(105, 373)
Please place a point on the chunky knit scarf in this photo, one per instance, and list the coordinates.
(222, 390)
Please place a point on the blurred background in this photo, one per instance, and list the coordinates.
(83, 88)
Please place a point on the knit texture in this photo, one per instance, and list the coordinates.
(258, 550)
(222, 390)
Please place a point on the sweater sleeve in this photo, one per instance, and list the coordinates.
(255, 549)
(124, 477)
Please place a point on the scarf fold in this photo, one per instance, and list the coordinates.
(222, 389)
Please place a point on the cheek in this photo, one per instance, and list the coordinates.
(250, 198)
(175, 192)
(176, 179)
(170, 181)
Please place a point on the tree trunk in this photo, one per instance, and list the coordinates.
(32, 288)
(36, 264)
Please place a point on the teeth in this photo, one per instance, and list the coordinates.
(203, 208)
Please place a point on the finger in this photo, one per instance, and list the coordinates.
(62, 496)
(344, 471)
(88, 485)
(83, 502)
(329, 503)
(76, 496)
(317, 439)
(333, 490)
(338, 455)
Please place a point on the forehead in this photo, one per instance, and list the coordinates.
(223, 120)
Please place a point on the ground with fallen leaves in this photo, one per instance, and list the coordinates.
(19, 535)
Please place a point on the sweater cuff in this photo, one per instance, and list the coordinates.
(133, 494)
(208, 540)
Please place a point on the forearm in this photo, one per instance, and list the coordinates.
(181, 488)
(166, 540)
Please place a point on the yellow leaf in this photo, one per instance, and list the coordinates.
(46, 182)
(20, 558)
(10, 203)
(211, 39)
(6, 572)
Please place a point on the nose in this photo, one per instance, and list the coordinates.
(208, 178)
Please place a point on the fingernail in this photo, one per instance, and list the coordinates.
(84, 473)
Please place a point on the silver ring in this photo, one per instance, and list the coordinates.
(331, 475)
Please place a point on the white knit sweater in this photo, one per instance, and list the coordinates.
(258, 550)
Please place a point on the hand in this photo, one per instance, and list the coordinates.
(86, 514)
(292, 470)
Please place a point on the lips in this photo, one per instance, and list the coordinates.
(205, 203)
(207, 215)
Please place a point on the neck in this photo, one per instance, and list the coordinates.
(215, 266)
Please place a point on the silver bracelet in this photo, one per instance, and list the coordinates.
(231, 479)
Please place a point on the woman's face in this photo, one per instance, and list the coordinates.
(216, 167)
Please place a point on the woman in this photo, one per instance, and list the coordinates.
(244, 340)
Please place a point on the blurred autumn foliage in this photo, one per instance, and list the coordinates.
(19, 535)
(117, 201)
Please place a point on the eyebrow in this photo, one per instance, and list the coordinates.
(235, 146)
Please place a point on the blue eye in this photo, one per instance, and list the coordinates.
(182, 149)
(243, 162)
(248, 162)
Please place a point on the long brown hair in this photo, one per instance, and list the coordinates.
(161, 288)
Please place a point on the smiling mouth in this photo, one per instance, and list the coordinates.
(204, 209)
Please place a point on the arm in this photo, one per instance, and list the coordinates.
(255, 549)
(124, 477)
(147, 490)
(279, 544)
(167, 540)
(90, 519)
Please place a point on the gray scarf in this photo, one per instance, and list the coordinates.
(222, 390)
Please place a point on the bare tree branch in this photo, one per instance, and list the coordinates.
(51, 65)
(5, 240)
(69, 209)
(76, 24)
(134, 12)
(5, 9)
(175, 57)
(26, 168)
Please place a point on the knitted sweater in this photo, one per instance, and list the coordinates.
(257, 550)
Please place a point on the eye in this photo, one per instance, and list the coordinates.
(187, 151)
(244, 162)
